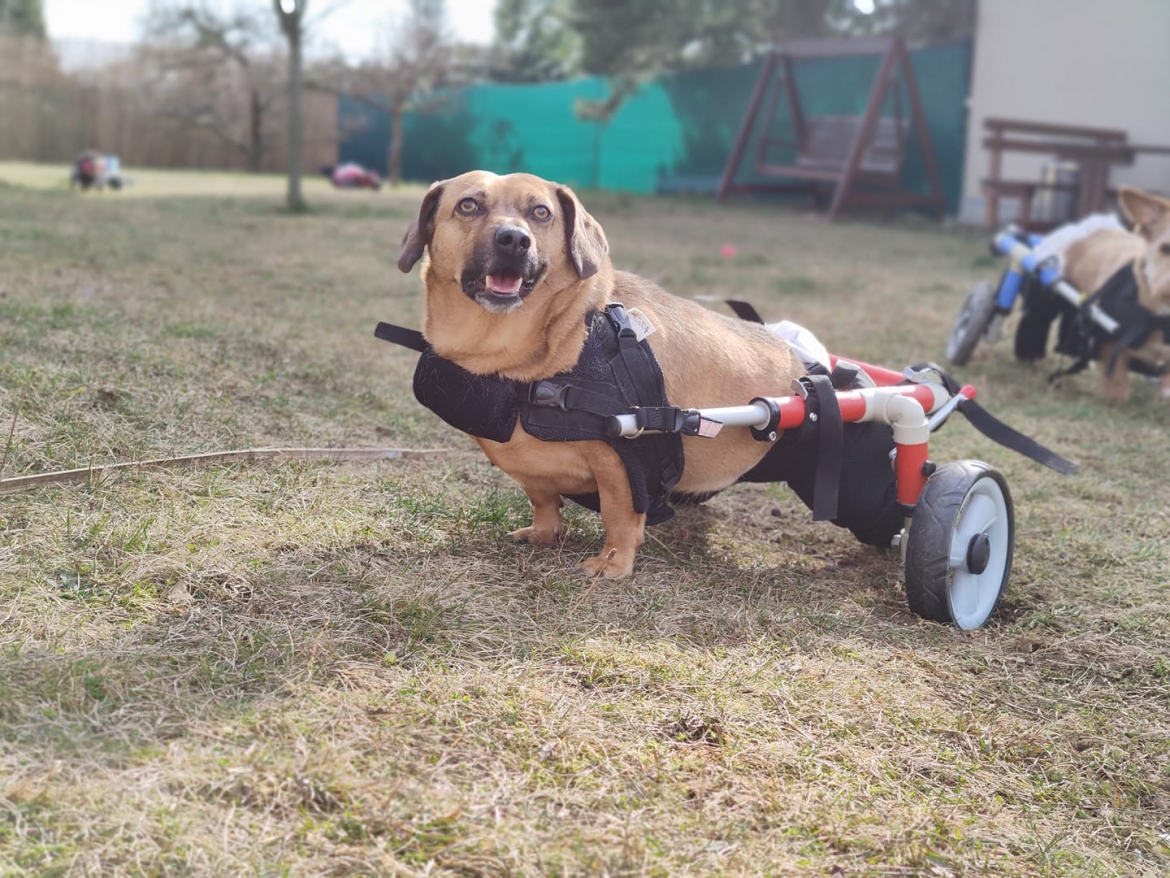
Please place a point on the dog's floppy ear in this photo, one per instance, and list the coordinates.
(419, 233)
(583, 236)
(1148, 213)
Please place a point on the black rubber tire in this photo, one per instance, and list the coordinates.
(947, 511)
(971, 323)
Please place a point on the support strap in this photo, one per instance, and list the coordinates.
(999, 432)
(744, 310)
(996, 430)
(400, 335)
(826, 414)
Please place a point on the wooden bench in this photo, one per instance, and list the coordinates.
(1093, 150)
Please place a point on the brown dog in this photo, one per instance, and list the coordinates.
(1093, 260)
(516, 264)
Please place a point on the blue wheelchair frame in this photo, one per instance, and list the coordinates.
(981, 316)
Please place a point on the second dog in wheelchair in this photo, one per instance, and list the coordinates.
(1092, 261)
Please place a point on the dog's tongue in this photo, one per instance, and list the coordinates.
(506, 283)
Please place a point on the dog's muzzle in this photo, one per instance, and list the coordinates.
(506, 273)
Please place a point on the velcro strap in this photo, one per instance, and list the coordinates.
(744, 310)
(830, 447)
(575, 396)
(1078, 365)
(997, 431)
(400, 335)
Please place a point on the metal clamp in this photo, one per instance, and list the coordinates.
(770, 432)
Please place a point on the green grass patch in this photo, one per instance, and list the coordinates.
(348, 668)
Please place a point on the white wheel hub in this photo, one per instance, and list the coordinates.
(979, 553)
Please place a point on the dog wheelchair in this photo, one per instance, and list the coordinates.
(955, 521)
(852, 441)
(1033, 276)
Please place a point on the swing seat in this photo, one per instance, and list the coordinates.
(828, 139)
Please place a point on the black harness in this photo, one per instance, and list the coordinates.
(1079, 336)
(616, 375)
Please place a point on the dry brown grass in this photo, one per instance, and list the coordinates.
(338, 669)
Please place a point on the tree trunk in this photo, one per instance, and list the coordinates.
(296, 128)
(394, 165)
(292, 23)
(256, 132)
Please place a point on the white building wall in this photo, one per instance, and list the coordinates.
(1102, 63)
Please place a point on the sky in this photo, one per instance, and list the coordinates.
(353, 27)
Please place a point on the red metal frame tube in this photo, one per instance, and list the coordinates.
(909, 462)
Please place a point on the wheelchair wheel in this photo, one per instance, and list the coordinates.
(959, 546)
(971, 323)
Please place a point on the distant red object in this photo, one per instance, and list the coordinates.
(353, 176)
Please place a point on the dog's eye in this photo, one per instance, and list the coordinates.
(541, 213)
(468, 206)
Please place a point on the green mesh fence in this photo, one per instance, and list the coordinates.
(675, 134)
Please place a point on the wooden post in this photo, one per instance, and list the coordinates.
(873, 109)
(745, 130)
(919, 122)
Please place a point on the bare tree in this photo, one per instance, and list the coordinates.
(414, 60)
(207, 60)
(291, 15)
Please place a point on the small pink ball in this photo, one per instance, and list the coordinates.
(728, 251)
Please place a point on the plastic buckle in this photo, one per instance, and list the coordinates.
(844, 375)
(617, 316)
(694, 424)
(548, 393)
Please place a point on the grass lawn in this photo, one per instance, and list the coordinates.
(343, 668)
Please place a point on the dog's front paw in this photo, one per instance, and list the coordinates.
(611, 564)
(536, 536)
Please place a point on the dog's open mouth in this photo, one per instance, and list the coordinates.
(503, 283)
(500, 289)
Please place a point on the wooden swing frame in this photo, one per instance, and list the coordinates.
(842, 150)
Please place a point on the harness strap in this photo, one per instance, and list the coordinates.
(579, 395)
(1132, 337)
(639, 377)
(999, 432)
(1078, 365)
(744, 310)
(830, 446)
(996, 430)
(400, 335)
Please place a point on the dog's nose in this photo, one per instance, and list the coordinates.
(512, 240)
